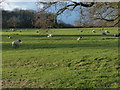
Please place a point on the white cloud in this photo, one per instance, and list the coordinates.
(21, 0)
(12, 4)
(8, 6)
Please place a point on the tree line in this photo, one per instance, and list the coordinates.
(17, 19)
(30, 19)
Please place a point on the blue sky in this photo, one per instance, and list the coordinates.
(68, 17)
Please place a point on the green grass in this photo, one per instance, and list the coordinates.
(60, 61)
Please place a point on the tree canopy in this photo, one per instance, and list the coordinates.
(96, 12)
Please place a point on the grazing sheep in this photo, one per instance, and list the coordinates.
(103, 33)
(50, 35)
(107, 31)
(16, 43)
(117, 35)
(93, 31)
(79, 38)
(10, 37)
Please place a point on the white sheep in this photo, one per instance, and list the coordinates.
(16, 43)
(79, 38)
(50, 35)
(13, 30)
(10, 37)
(117, 35)
(107, 31)
(93, 31)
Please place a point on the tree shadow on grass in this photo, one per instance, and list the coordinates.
(67, 35)
(7, 46)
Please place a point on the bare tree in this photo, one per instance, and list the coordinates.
(44, 20)
(95, 11)
(13, 22)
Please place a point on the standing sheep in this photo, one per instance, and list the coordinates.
(16, 43)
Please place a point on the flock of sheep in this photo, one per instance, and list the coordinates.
(103, 33)
(16, 43)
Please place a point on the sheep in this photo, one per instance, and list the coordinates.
(16, 43)
(107, 31)
(93, 31)
(10, 37)
(79, 38)
(13, 30)
(50, 35)
(117, 35)
(103, 33)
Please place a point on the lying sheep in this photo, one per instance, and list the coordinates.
(107, 31)
(93, 31)
(10, 37)
(16, 43)
(117, 35)
(79, 38)
(50, 35)
(13, 30)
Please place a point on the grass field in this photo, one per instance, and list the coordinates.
(60, 61)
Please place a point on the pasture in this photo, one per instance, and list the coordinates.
(60, 61)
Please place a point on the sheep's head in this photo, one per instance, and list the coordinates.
(19, 40)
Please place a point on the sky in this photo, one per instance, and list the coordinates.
(20, 5)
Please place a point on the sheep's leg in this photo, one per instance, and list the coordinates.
(18, 46)
(15, 46)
